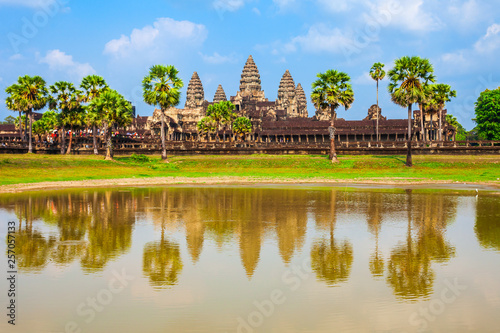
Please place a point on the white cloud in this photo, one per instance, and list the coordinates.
(482, 52)
(158, 38)
(16, 56)
(217, 59)
(228, 5)
(320, 38)
(405, 14)
(456, 58)
(364, 79)
(285, 4)
(336, 6)
(489, 42)
(256, 11)
(465, 13)
(60, 61)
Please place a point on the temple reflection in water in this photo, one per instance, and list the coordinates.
(95, 227)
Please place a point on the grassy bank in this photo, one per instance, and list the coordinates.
(16, 169)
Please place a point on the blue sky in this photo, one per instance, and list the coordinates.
(120, 40)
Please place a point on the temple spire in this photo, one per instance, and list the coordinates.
(220, 95)
(286, 91)
(301, 101)
(195, 94)
(250, 77)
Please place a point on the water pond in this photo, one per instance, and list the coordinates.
(253, 259)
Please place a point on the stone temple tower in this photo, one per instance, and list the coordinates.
(195, 95)
(286, 95)
(290, 98)
(250, 82)
(301, 101)
(220, 95)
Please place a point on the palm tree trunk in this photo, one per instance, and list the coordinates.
(70, 141)
(94, 129)
(378, 114)
(26, 127)
(62, 140)
(20, 126)
(422, 135)
(163, 147)
(408, 154)
(333, 153)
(109, 144)
(30, 146)
(440, 125)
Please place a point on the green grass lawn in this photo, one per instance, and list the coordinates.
(15, 169)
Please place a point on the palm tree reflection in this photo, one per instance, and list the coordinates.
(409, 270)
(161, 260)
(330, 260)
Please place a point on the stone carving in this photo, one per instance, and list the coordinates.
(220, 95)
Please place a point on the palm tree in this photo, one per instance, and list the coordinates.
(94, 119)
(377, 73)
(115, 111)
(67, 99)
(216, 113)
(332, 89)
(423, 104)
(221, 113)
(206, 126)
(14, 103)
(32, 94)
(406, 87)
(93, 86)
(242, 126)
(74, 117)
(229, 116)
(442, 94)
(161, 88)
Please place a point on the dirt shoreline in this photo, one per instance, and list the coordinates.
(229, 180)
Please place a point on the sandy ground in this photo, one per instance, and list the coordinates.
(202, 181)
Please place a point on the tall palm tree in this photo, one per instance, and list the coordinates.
(15, 103)
(93, 86)
(32, 94)
(406, 87)
(161, 87)
(116, 112)
(424, 102)
(442, 94)
(332, 89)
(67, 99)
(377, 73)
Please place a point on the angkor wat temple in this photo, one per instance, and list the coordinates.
(286, 119)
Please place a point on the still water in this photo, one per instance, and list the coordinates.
(254, 259)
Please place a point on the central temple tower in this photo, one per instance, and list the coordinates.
(250, 88)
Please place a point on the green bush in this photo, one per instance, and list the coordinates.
(140, 158)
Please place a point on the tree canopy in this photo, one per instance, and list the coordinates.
(488, 114)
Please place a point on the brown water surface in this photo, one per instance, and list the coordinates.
(254, 259)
